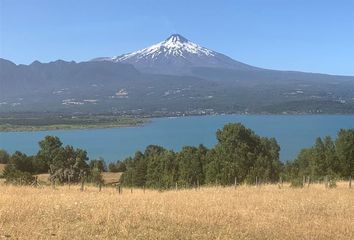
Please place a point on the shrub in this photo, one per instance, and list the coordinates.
(332, 184)
(96, 176)
(296, 183)
(12, 175)
(4, 156)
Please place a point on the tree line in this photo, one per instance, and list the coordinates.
(326, 158)
(239, 156)
(63, 163)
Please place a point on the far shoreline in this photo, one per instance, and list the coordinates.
(67, 128)
(139, 122)
(30, 123)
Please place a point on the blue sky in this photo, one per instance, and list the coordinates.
(305, 35)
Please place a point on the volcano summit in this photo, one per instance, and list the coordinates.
(176, 55)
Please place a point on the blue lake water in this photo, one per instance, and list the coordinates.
(292, 133)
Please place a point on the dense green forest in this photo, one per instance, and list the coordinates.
(240, 155)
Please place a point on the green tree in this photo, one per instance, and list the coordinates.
(345, 152)
(301, 166)
(99, 163)
(127, 176)
(170, 169)
(112, 167)
(96, 170)
(64, 163)
(4, 157)
(48, 149)
(21, 162)
(319, 161)
(140, 170)
(190, 165)
(154, 171)
(267, 166)
(241, 153)
(13, 175)
(332, 162)
(19, 169)
(118, 166)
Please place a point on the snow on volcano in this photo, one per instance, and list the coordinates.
(175, 55)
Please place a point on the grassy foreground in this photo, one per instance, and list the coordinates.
(247, 212)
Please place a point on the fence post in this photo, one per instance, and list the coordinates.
(326, 182)
(308, 181)
(235, 182)
(176, 186)
(100, 186)
(36, 181)
(303, 181)
(350, 182)
(82, 184)
(256, 181)
(280, 183)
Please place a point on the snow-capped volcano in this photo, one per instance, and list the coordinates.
(175, 55)
(175, 45)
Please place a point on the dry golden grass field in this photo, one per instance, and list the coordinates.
(247, 212)
(108, 177)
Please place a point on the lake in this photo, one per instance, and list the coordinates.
(292, 133)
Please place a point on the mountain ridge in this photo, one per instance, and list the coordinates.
(173, 78)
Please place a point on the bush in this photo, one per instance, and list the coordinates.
(96, 176)
(117, 167)
(333, 180)
(332, 184)
(99, 163)
(112, 167)
(4, 157)
(12, 175)
(296, 183)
